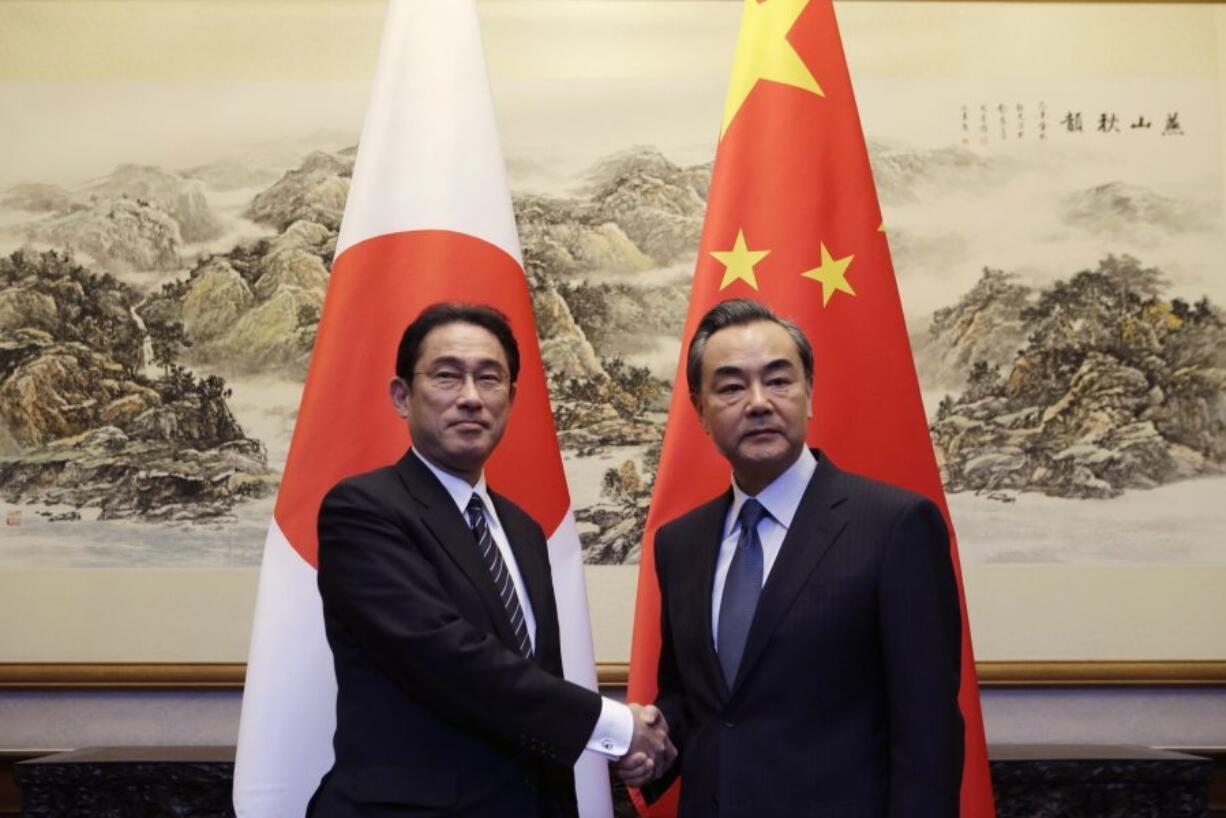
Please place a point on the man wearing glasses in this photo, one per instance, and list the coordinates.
(439, 608)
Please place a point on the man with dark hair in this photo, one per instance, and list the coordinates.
(439, 609)
(810, 630)
(408, 353)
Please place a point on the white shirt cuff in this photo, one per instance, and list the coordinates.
(614, 730)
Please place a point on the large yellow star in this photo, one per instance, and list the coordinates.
(764, 53)
(739, 262)
(832, 274)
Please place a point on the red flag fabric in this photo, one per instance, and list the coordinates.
(793, 221)
(428, 218)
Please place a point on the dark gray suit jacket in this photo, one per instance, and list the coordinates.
(845, 702)
(436, 714)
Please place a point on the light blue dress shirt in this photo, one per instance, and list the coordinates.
(780, 499)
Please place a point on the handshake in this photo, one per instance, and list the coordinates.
(651, 752)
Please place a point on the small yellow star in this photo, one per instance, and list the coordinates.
(739, 262)
(832, 274)
(764, 53)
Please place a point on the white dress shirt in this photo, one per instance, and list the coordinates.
(615, 727)
(780, 499)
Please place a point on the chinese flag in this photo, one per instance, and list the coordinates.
(428, 219)
(793, 221)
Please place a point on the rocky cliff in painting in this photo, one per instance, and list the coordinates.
(986, 325)
(315, 191)
(656, 204)
(181, 198)
(1115, 387)
(612, 529)
(120, 235)
(605, 300)
(637, 211)
(135, 219)
(254, 309)
(81, 425)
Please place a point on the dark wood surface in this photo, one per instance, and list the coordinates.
(10, 794)
(1096, 781)
(128, 782)
(1031, 781)
(1083, 752)
(1217, 784)
(141, 755)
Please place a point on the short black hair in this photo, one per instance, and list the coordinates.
(448, 312)
(734, 313)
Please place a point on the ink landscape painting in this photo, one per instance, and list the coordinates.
(1058, 243)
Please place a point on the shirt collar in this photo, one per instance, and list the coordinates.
(781, 498)
(458, 487)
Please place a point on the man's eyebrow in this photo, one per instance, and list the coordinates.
(459, 363)
(731, 370)
(778, 364)
(445, 360)
(728, 370)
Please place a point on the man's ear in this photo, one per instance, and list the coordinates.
(511, 394)
(809, 400)
(398, 391)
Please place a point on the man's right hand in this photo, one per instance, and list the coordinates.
(651, 752)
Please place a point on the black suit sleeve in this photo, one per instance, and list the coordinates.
(670, 695)
(921, 636)
(376, 581)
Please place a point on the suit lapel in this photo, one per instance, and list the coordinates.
(709, 534)
(533, 562)
(817, 524)
(440, 515)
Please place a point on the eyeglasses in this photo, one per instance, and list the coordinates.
(487, 381)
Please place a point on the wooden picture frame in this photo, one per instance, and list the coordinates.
(229, 676)
(57, 624)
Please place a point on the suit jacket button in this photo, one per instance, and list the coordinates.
(730, 724)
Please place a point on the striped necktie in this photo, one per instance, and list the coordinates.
(498, 570)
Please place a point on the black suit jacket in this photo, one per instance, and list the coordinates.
(436, 714)
(845, 702)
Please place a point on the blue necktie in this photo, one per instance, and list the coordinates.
(742, 587)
